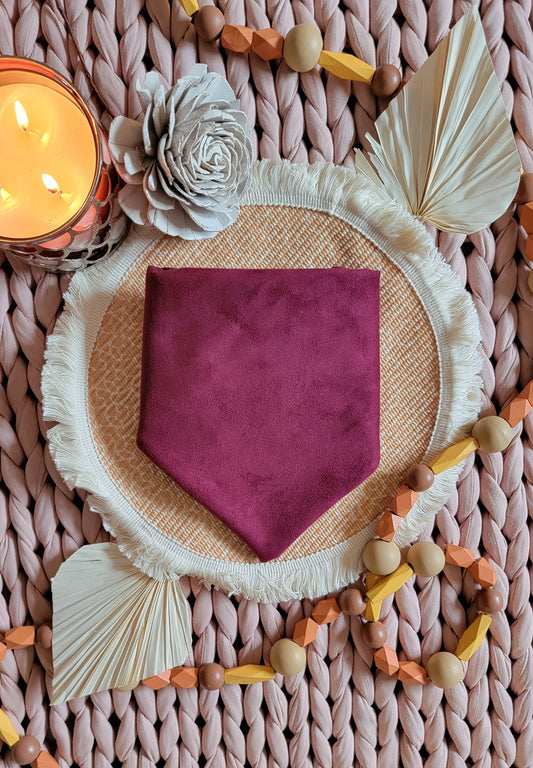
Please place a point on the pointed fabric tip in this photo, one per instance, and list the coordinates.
(445, 149)
(112, 624)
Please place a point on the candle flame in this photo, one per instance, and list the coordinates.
(5, 197)
(51, 184)
(22, 117)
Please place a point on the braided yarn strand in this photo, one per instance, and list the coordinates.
(341, 712)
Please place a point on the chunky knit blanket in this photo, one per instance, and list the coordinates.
(341, 713)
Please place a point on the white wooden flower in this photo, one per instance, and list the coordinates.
(187, 164)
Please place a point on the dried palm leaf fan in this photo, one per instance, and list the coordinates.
(444, 152)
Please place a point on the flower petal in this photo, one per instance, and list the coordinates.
(124, 134)
(134, 203)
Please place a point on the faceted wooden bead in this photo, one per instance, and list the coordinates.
(524, 193)
(189, 6)
(352, 602)
(209, 23)
(373, 610)
(387, 525)
(248, 674)
(44, 760)
(389, 584)
(489, 601)
(420, 477)
(445, 669)
(492, 433)
(483, 573)
(26, 750)
(305, 631)
(460, 556)
(411, 673)
(237, 39)
(346, 66)
(326, 611)
(20, 637)
(426, 558)
(3, 649)
(386, 659)
(386, 81)
(8, 733)
(526, 217)
(267, 44)
(156, 682)
(521, 405)
(211, 676)
(381, 557)
(472, 637)
(302, 47)
(184, 677)
(287, 657)
(403, 501)
(375, 634)
(453, 455)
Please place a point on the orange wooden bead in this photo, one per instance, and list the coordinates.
(305, 631)
(237, 39)
(526, 217)
(386, 659)
(411, 673)
(520, 406)
(158, 681)
(460, 556)
(184, 677)
(403, 501)
(326, 611)
(267, 44)
(483, 573)
(20, 637)
(3, 649)
(44, 760)
(528, 250)
(388, 525)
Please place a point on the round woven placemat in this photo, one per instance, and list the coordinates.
(341, 713)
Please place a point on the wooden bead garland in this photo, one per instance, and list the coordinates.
(302, 48)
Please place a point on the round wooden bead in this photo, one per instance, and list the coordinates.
(302, 47)
(375, 634)
(25, 750)
(381, 557)
(385, 83)
(489, 601)
(287, 657)
(209, 23)
(352, 602)
(420, 478)
(492, 433)
(44, 636)
(426, 558)
(211, 676)
(445, 669)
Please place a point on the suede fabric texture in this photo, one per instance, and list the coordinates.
(260, 392)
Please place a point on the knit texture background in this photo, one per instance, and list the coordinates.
(341, 712)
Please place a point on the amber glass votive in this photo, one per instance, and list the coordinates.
(58, 187)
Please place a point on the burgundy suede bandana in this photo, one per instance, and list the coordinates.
(260, 392)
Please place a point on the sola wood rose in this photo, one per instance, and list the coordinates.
(187, 164)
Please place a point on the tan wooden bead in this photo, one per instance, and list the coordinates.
(426, 558)
(287, 657)
(302, 47)
(492, 433)
(209, 23)
(381, 557)
(445, 669)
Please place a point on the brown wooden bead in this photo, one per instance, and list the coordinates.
(236, 38)
(375, 634)
(287, 657)
(426, 558)
(381, 557)
(445, 669)
(352, 602)
(25, 750)
(267, 44)
(386, 80)
(211, 676)
(209, 23)
(524, 193)
(489, 601)
(420, 477)
(302, 47)
(492, 433)
(44, 636)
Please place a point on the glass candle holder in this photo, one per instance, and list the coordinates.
(58, 186)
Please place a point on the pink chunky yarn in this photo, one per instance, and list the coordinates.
(342, 712)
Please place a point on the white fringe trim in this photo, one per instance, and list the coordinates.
(321, 187)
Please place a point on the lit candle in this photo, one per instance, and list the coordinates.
(55, 190)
